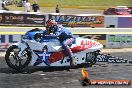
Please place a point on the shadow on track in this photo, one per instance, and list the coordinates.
(32, 69)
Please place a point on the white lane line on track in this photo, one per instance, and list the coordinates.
(42, 74)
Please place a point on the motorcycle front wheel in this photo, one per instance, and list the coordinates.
(16, 62)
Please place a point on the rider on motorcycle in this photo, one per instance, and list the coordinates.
(65, 36)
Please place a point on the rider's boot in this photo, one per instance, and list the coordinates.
(72, 63)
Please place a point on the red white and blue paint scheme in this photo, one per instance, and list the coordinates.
(50, 51)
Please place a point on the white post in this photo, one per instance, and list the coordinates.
(0, 4)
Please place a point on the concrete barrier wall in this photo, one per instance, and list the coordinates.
(109, 37)
(118, 21)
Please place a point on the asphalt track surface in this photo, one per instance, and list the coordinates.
(40, 77)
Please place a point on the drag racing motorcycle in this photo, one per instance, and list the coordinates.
(35, 47)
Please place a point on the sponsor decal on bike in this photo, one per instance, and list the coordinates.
(89, 43)
(43, 57)
(49, 58)
(56, 56)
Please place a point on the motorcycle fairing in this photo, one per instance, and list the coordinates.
(80, 47)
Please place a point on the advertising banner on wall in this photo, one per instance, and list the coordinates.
(22, 19)
(79, 20)
(97, 37)
(7, 40)
(125, 22)
(118, 41)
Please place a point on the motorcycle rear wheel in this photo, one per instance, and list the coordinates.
(16, 62)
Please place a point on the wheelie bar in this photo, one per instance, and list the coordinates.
(111, 59)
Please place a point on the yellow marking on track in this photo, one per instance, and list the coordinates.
(12, 33)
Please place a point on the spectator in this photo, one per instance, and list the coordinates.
(57, 9)
(4, 5)
(15, 2)
(35, 7)
(27, 6)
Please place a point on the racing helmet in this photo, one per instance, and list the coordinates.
(50, 25)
